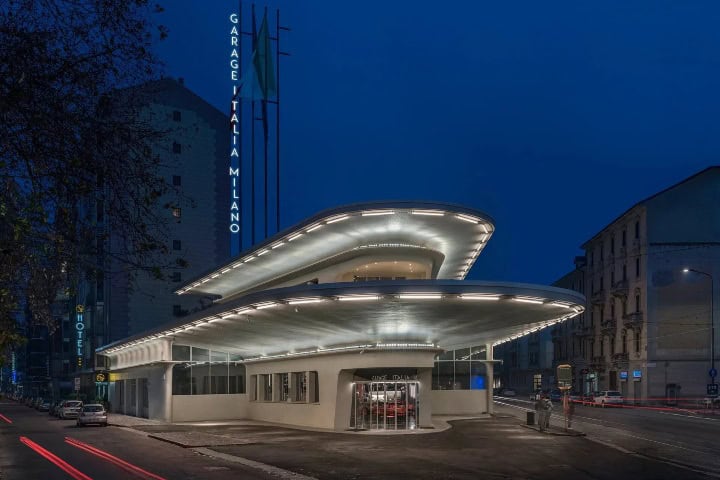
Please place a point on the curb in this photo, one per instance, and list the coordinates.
(570, 433)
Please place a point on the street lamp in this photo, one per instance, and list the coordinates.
(712, 372)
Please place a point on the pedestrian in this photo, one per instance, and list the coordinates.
(569, 411)
(547, 408)
(538, 411)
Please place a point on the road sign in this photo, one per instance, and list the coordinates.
(712, 388)
(712, 373)
(77, 384)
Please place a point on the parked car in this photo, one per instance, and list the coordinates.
(92, 413)
(575, 397)
(44, 406)
(70, 409)
(507, 392)
(608, 397)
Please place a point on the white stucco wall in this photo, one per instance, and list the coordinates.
(459, 402)
(189, 408)
(335, 372)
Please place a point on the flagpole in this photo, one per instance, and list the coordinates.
(252, 141)
(265, 130)
(240, 135)
(277, 121)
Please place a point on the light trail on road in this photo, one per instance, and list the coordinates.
(112, 459)
(3, 417)
(59, 462)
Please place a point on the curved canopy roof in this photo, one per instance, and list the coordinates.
(314, 318)
(455, 234)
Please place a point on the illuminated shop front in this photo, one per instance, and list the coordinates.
(356, 319)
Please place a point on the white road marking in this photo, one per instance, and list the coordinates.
(264, 467)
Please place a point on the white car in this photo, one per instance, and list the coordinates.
(70, 409)
(92, 413)
(609, 397)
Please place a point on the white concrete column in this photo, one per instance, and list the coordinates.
(489, 381)
(166, 393)
(425, 398)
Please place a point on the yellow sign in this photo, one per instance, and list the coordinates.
(80, 308)
(114, 377)
(100, 377)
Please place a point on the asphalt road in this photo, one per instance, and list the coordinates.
(158, 459)
(673, 434)
(493, 447)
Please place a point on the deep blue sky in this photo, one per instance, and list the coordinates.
(552, 117)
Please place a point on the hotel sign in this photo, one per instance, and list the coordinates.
(80, 332)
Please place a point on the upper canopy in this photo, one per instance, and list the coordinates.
(450, 237)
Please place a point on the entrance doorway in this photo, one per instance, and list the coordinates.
(384, 405)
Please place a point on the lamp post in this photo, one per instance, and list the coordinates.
(712, 372)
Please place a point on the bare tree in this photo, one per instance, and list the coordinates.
(74, 145)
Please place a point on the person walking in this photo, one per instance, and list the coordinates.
(539, 411)
(547, 408)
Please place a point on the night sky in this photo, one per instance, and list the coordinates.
(552, 117)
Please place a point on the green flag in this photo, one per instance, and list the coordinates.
(258, 81)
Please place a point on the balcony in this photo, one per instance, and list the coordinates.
(597, 364)
(608, 327)
(620, 360)
(620, 289)
(633, 320)
(582, 331)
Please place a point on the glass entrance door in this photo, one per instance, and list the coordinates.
(385, 405)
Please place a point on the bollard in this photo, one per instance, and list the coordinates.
(531, 418)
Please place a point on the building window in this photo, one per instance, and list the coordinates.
(624, 271)
(612, 278)
(177, 245)
(602, 283)
(177, 148)
(624, 306)
(284, 387)
(461, 369)
(176, 277)
(637, 229)
(637, 267)
(612, 244)
(602, 257)
(592, 318)
(612, 310)
(177, 116)
(266, 387)
(314, 387)
(637, 302)
(624, 238)
(637, 341)
(602, 347)
(299, 387)
(624, 344)
(177, 180)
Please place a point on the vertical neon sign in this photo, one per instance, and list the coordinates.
(80, 331)
(234, 170)
(13, 369)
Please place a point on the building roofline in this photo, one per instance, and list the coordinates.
(327, 216)
(644, 201)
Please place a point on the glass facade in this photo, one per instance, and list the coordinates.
(462, 369)
(200, 371)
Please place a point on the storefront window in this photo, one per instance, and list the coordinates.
(462, 369)
(200, 371)
(299, 386)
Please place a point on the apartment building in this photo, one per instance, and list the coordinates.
(649, 279)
